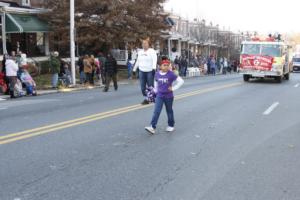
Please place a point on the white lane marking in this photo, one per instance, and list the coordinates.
(271, 108)
(297, 85)
(2, 99)
(3, 108)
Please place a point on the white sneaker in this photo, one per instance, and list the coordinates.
(170, 129)
(150, 129)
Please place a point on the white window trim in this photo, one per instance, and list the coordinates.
(25, 2)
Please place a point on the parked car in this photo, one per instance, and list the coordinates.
(296, 64)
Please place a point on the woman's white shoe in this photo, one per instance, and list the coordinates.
(150, 129)
(170, 129)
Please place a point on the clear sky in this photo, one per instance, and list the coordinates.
(264, 16)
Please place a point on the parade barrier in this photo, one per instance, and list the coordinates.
(193, 72)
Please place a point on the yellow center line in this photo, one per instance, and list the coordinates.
(65, 123)
(206, 90)
(9, 138)
(69, 125)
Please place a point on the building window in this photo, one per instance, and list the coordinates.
(25, 2)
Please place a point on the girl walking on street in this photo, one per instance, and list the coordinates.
(164, 87)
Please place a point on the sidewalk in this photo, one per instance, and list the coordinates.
(71, 89)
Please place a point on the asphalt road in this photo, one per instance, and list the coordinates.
(233, 141)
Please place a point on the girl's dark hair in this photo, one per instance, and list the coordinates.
(164, 58)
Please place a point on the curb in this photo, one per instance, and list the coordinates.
(64, 90)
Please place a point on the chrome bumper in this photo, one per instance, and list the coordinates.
(261, 73)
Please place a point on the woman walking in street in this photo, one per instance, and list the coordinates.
(146, 63)
(111, 71)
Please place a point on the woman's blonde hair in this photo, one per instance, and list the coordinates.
(147, 39)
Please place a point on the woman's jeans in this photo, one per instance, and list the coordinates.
(129, 72)
(89, 78)
(146, 79)
(159, 102)
(213, 71)
(82, 77)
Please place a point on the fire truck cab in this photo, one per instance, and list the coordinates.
(264, 59)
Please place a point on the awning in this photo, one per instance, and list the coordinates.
(22, 23)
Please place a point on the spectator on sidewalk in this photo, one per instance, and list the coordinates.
(111, 71)
(97, 70)
(81, 70)
(21, 59)
(55, 65)
(66, 75)
(180, 65)
(3, 85)
(102, 60)
(88, 69)
(177, 62)
(213, 66)
(4, 72)
(221, 63)
(225, 63)
(184, 66)
(235, 65)
(11, 73)
(94, 67)
(146, 63)
(208, 65)
(129, 68)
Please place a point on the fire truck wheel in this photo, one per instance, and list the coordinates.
(278, 79)
(246, 78)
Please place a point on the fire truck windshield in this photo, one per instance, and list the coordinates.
(273, 50)
(251, 49)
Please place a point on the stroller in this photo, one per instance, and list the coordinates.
(28, 82)
(65, 76)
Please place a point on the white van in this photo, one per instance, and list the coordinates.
(296, 63)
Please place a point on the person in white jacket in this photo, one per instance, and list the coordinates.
(146, 63)
(11, 73)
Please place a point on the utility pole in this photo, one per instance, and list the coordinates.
(189, 33)
(72, 40)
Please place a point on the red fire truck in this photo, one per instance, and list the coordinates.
(264, 59)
